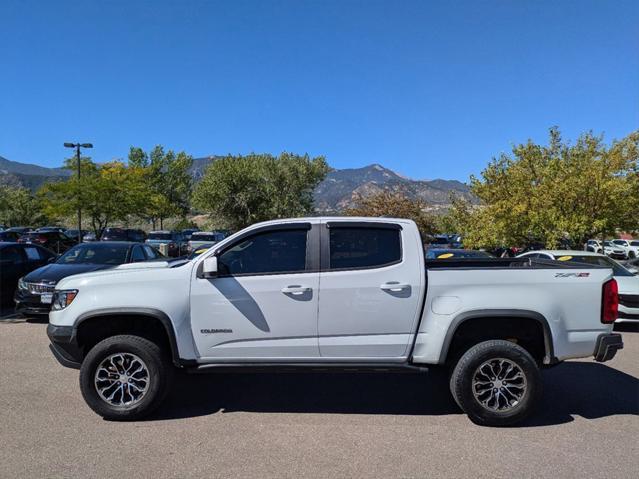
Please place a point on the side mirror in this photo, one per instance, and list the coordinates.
(209, 268)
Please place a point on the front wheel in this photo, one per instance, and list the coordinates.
(496, 383)
(125, 377)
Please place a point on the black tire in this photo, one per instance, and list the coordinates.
(503, 353)
(159, 373)
(631, 255)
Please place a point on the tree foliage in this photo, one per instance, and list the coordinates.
(106, 193)
(169, 181)
(19, 207)
(241, 190)
(546, 193)
(395, 205)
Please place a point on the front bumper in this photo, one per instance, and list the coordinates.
(607, 346)
(30, 304)
(64, 345)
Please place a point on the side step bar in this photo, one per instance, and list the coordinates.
(306, 367)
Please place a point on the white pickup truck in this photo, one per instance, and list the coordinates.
(321, 293)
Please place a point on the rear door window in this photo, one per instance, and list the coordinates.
(358, 248)
(11, 253)
(33, 254)
(137, 255)
(150, 252)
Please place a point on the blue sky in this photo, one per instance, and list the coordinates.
(429, 89)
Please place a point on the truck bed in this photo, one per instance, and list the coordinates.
(505, 263)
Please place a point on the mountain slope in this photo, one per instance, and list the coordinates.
(14, 173)
(17, 168)
(341, 188)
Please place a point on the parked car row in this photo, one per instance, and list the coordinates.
(617, 248)
(29, 272)
(60, 240)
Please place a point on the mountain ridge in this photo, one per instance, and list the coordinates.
(340, 189)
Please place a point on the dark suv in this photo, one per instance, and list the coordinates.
(54, 240)
(122, 234)
(176, 245)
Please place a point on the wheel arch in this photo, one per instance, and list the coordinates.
(148, 314)
(497, 315)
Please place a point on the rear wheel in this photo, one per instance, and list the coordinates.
(632, 255)
(125, 377)
(496, 383)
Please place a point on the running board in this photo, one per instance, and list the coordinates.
(306, 367)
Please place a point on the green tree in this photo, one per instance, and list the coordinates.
(19, 207)
(240, 190)
(395, 205)
(169, 180)
(106, 193)
(546, 193)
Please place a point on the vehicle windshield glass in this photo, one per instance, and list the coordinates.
(440, 241)
(204, 237)
(95, 254)
(617, 269)
(161, 236)
(114, 234)
(456, 254)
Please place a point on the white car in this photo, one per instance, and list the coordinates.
(337, 293)
(631, 247)
(594, 246)
(614, 251)
(627, 281)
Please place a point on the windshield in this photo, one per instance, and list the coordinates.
(455, 254)
(204, 237)
(114, 234)
(198, 251)
(440, 241)
(161, 236)
(617, 269)
(95, 254)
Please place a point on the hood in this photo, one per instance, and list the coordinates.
(628, 284)
(52, 273)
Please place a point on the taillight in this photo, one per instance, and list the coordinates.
(609, 302)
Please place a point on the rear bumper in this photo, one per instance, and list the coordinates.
(64, 346)
(607, 346)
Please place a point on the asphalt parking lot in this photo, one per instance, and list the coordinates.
(312, 425)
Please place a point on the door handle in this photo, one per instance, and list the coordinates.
(296, 289)
(394, 286)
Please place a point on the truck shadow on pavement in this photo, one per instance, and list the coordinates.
(589, 390)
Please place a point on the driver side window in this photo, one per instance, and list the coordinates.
(270, 252)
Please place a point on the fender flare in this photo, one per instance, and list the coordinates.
(549, 353)
(156, 314)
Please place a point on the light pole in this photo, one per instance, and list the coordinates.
(77, 147)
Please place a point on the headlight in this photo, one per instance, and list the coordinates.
(22, 285)
(62, 299)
